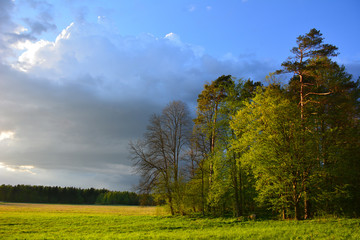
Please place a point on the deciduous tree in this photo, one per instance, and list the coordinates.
(158, 156)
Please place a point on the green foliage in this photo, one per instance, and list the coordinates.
(113, 198)
(269, 142)
(41, 194)
(309, 47)
(219, 190)
(221, 178)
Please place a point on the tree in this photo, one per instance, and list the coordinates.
(208, 118)
(243, 92)
(334, 121)
(217, 103)
(310, 55)
(198, 170)
(211, 123)
(158, 155)
(268, 141)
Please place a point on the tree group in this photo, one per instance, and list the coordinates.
(287, 150)
(70, 195)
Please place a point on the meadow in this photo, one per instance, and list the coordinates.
(51, 221)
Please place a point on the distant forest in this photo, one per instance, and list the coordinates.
(70, 195)
(289, 151)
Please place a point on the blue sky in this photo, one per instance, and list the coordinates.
(259, 28)
(81, 78)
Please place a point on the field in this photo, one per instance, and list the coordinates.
(47, 221)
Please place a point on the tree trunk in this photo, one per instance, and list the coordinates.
(212, 145)
(237, 186)
(202, 193)
(283, 214)
(295, 201)
(237, 198)
(171, 204)
(301, 98)
(306, 205)
(211, 165)
(242, 193)
(169, 196)
(296, 210)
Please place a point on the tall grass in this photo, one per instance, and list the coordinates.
(46, 221)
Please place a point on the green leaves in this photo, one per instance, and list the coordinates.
(269, 140)
(309, 47)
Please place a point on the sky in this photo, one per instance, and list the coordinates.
(80, 79)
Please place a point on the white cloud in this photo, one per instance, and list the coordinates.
(121, 65)
(101, 19)
(6, 135)
(174, 38)
(21, 168)
(118, 65)
(65, 33)
(191, 8)
(31, 56)
(20, 29)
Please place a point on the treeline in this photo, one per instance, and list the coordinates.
(70, 195)
(290, 150)
(113, 198)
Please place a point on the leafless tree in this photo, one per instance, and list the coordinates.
(158, 156)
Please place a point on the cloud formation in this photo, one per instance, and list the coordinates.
(74, 102)
(139, 65)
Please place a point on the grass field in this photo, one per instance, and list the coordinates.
(47, 221)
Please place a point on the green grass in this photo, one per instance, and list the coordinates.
(47, 221)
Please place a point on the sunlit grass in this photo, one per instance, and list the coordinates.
(81, 209)
(47, 221)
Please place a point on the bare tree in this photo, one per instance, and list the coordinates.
(158, 156)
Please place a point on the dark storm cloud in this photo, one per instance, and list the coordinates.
(55, 119)
(67, 128)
